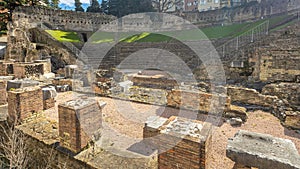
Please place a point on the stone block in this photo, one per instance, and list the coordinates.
(6, 78)
(233, 111)
(49, 92)
(80, 121)
(262, 151)
(16, 84)
(69, 70)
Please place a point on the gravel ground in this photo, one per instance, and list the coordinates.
(128, 118)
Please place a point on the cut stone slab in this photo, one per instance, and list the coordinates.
(16, 84)
(6, 78)
(49, 92)
(262, 151)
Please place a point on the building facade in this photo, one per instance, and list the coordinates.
(206, 5)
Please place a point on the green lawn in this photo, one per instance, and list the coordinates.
(64, 36)
(215, 32)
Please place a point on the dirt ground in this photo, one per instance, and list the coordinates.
(128, 118)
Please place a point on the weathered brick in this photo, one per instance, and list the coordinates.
(22, 103)
(79, 121)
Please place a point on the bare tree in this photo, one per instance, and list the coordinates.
(13, 148)
(165, 5)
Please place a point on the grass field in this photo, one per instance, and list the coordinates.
(64, 36)
(215, 32)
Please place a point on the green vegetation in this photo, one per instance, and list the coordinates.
(284, 25)
(64, 36)
(194, 34)
(3, 32)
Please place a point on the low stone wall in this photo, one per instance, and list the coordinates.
(287, 91)
(23, 103)
(154, 82)
(250, 96)
(196, 100)
(292, 120)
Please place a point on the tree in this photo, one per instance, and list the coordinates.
(13, 148)
(17, 152)
(46, 2)
(104, 6)
(121, 8)
(165, 5)
(54, 4)
(94, 7)
(78, 6)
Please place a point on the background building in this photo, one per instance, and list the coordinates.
(205, 5)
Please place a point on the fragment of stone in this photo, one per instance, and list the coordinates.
(235, 121)
(49, 92)
(262, 151)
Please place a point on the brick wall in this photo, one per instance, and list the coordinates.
(77, 124)
(3, 93)
(6, 68)
(48, 103)
(3, 69)
(22, 103)
(177, 150)
(28, 70)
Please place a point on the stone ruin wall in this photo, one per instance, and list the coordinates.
(277, 58)
(28, 42)
(251, 11)
(42, 45)
(287, 91)
(62, 19)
